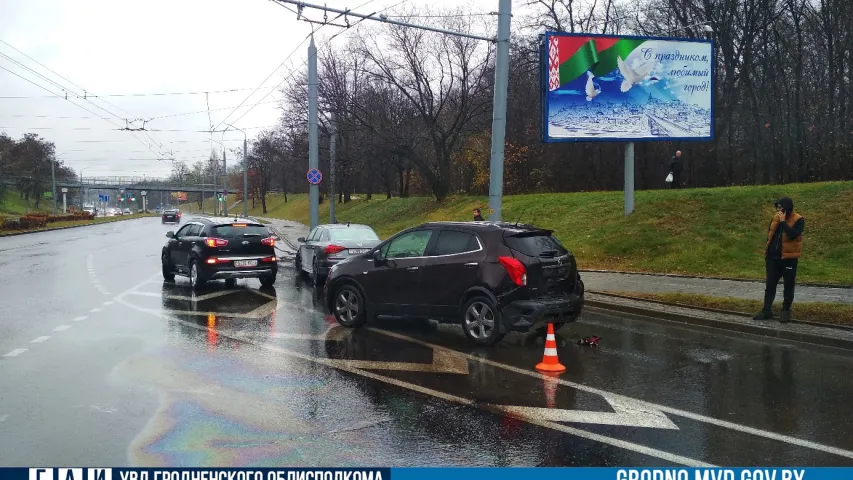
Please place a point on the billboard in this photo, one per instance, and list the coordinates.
(623, 88)
(182, 196)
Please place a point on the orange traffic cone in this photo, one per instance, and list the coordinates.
(550, 362)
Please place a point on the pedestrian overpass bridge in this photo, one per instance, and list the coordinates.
(147, 184)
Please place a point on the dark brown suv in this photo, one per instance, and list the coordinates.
(491, 277)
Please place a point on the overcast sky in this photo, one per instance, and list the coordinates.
(118, 50)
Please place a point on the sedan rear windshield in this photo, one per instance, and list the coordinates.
(541, 245)
(350, 233)
(230, 231)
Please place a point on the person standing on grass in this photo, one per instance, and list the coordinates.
(782, 252)
(676, 165)
(477, 216)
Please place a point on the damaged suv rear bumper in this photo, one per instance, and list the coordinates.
(525, 315)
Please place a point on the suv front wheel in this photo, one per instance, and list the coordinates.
(481, 321)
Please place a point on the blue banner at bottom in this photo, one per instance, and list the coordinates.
(431, 473)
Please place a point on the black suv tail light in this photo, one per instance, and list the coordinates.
(516, 270)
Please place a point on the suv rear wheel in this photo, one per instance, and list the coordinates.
(268, 281)
(349, 307)
(482, 321)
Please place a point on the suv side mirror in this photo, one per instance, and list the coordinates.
(170, 234)
(301, 239)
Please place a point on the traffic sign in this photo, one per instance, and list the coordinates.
(143, 193)
(314, 176)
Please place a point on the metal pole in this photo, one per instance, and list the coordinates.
(215, 171)
(333, 147)
(53, 179)
(224, 184)
(313, 151)
(245, 179)
(629, 178)
(496, 177)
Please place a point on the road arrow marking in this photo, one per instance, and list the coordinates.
(442, 362)
(626, 414)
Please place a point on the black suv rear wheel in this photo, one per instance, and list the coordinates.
(349, 307)
(481, 321)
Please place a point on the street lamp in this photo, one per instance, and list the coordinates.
(245, 173)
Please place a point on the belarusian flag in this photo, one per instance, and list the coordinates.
(569, 57)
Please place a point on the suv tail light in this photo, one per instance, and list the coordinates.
(516, 270)
(333, 249)
(269, 241)
(215, 242)
(269, 259)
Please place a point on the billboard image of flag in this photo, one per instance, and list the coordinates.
(609, 88)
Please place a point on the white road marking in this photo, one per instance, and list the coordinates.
(4, 417)
(109, 303)
(80, 319)
(41, 339)
(442, 362)
(61, 328)
(627, 414)
(610, 396)
(93, 277)
(146, 294)
(663, 408)
(104, 409)
(634, 447)
(15, 353)
(95, 310)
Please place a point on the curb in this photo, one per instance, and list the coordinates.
(719, 310)
(66, 228)
(744, 280)
(762, 331)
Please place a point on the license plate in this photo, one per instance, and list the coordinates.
(356, 251)
(245, 263)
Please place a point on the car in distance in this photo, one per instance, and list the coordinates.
(171, 216)
(208, 248)
(326, 245)
(491, 277)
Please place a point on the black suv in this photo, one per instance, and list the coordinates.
(491, 277)
(171, 215)
(220, 248)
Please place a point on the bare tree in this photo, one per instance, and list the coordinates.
(447, 79)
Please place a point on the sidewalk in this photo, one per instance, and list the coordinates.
(745, 289)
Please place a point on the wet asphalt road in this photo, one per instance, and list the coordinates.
(102, 363)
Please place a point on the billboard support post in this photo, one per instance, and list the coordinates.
(629, 178)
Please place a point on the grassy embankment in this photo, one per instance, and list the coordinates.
(11, 205)
(717, 232)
